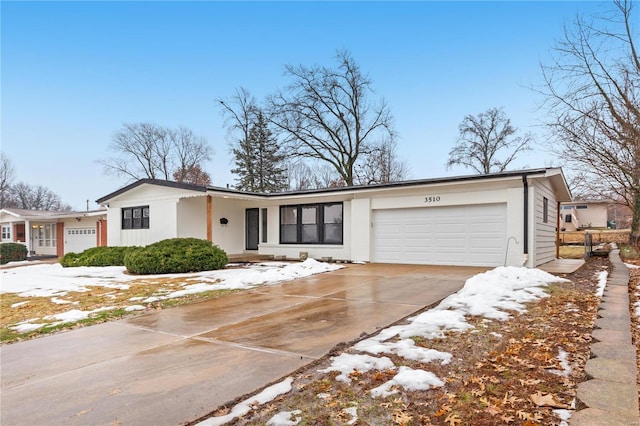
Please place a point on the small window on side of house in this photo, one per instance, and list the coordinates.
(545, 210)
(135, 217)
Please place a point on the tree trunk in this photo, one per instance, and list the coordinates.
(634, 237)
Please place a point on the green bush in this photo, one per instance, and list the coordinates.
(12, 252)
(97, 256)
(176, 255)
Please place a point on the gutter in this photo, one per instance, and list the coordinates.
(525, 239)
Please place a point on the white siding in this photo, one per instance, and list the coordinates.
(163, 215)
(544, 238)
(361, 230)
(230, 237)
(192, 217)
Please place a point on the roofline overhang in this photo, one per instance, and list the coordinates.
(55, 215)
(233, 193)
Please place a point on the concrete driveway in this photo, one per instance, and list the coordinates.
(173, 366)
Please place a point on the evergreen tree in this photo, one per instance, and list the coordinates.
(259, 162)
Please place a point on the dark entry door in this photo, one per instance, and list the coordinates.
(252, 232)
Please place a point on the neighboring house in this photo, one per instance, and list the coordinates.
(54, 233)
(584, 214)
(481, 220)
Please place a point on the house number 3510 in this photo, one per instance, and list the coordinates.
(432, 199)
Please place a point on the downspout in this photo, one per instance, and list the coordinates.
(558, 230)
(525, 239)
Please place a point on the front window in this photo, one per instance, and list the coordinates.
(310, 231)
(288, 225)
(311, 224)
(46, 235)
(135, 217)
(6, 232)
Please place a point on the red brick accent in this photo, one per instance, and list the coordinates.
(101, 233)
(60, 239)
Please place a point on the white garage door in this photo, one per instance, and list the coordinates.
(462, 235)
(77, 240)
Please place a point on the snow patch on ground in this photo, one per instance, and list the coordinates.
(353, 412)
(267, 395)
(135, 308)
(565, 366)
(409, 379)
(602, 283)
(493, 293)
(284, 418)
(348, 363)
(76, 315)
(406, 348)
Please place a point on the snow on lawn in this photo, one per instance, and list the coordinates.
(602, 283)
(239, 410)
(409, 379)
(52, 280)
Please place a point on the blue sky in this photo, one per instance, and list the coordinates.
(74, 72)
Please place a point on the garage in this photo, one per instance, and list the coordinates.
(472, 235)
(79, 239)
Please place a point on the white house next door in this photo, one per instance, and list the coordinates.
(458, 235)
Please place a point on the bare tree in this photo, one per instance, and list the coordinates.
(25, 196)
(382, 165)
(240, 113)
(7, 174)
(302, 176)
(483, 138)
(192, 174)
(299, 176)
(190, 151)
(146, 150)
(325, 114)
(592, 89)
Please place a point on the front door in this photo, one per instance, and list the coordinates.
(252, 223)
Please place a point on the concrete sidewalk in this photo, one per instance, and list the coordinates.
(176, 365)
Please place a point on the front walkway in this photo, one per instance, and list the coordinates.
(176, 365)
(610, 396)
(562, 266)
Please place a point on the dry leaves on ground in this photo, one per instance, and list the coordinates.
(513, 372)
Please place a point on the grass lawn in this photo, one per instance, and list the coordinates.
(572, 252)
(15, 309)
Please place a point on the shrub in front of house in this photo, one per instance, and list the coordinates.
(12, 252)
(176, 255)
(96, 256)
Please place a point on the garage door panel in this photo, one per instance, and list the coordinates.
(79, 239)
(461, 235)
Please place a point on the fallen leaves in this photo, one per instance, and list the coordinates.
(547, 400)
(490, 381)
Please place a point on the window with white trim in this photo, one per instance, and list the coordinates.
(6, 232)
(46, 235)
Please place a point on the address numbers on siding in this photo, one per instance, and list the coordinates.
(432, 199)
